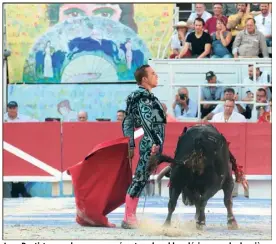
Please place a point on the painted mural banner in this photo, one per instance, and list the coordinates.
(83, 43)
(64, 101)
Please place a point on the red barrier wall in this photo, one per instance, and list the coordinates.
(40, 140)
(250, 143)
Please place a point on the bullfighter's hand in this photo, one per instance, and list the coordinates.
(154, 149)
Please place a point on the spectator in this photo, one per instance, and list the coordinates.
(264, 23)
(169, 117)
(211, 24)
(121, 115)
(236, 22)
(229, 9)
(265, 116)
(261, 78)
(199, 41)
(211, 93)
(220, 41)
(250, 42)
(82, 116)
(200, 12)
(229, 115)
(183, 106)
(229, 94)
(261, 97)
(13, 116)
(179, 39)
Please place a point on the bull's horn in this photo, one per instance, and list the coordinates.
(162, 173)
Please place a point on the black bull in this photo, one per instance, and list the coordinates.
(201, 167)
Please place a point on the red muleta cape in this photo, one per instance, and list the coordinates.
(101, 181)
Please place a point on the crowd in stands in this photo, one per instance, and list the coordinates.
(245, 33)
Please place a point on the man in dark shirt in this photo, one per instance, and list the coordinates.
(199, 40)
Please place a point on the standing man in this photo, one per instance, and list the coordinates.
(143, 110)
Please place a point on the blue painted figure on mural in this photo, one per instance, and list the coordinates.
(143, 110)
(78, 45)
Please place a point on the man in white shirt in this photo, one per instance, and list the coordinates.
(229, 94)
(229, 115)
(200, 12)
(264, 23)
(13, 116)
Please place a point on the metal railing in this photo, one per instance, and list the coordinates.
(171, 84)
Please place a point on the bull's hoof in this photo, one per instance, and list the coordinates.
(126, 225)
(232, 224)
(200, 226)
(167, 224)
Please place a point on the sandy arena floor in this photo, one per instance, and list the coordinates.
(54, 218)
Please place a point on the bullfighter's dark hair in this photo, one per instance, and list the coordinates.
(127, 16)
(140, 73)
(121, 111)
(229, 89)
(262, 89)
(201, 20)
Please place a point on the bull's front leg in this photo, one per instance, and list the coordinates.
(201, 204)
(228, 202)
(174, 194)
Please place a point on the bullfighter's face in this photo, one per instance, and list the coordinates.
(112, 11)
(152, 77)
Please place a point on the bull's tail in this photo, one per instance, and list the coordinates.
(164, 172)
(155, 160)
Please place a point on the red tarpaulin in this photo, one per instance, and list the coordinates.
(101, 181)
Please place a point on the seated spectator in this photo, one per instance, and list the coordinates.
(229, 9)
(211, 24)
(82, 116)
(229, 94)
(183, 106)
(265, 116)
(264, 23)
(211, 93)
(229, 115)
(261, 78)
(261, 97)
(250, 42)
(236, 22)
(121, 114)
(179, 39)
(169, 117)
(13, 116)
(220, 41)
(200, 12)
(199, 41)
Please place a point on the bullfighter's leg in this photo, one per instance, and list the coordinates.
(174, 194)
(139, 182)
(228, 202)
